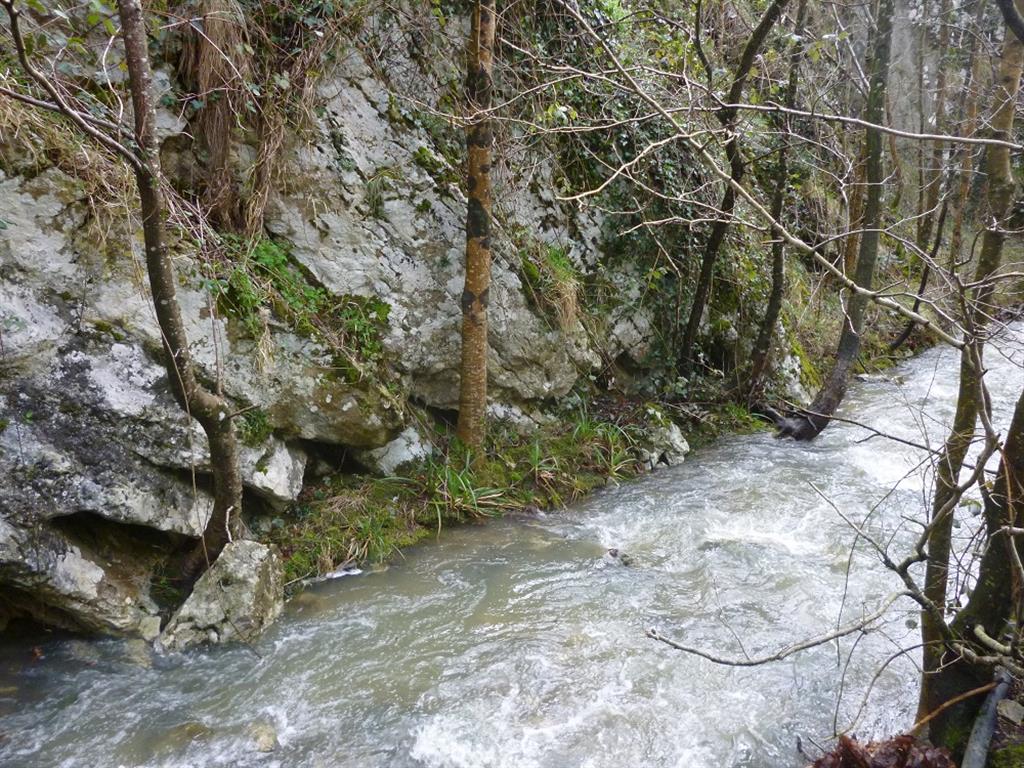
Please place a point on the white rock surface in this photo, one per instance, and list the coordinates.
(405, 449)
(240, 595)
(663, 443)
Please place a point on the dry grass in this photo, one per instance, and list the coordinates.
(216, 64)
(33, 140)
(291, 110)
(554, 281)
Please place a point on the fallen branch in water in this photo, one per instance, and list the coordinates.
(858, 626)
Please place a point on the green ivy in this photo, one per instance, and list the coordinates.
(254, 428)
(252, 281)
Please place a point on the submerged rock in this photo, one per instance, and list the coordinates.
(264, 737)
(235, 600)
(621, 557)
(177, 738)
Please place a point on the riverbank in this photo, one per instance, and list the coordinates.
(355, 519)
(511, 644)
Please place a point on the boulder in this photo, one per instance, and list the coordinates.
(662, 443)
(235, 600)
(407, 448)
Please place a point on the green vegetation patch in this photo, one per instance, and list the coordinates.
(1008, 757)
(354, 519)
(256, 281)
(254, 427)
(434, 165)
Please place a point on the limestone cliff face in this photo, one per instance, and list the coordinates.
(371, 209)
(99, 466)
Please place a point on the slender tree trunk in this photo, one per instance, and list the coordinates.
(209, 409)
(977, 310)
(472, 425)
(925, 272)
(973, 88)
(761, 353)
(727, 117)
(995, 601)
(896, 185)
(933, 175)
(856, 217)
(807, 425)
(996, 597)
(923, 173)
(931, 178)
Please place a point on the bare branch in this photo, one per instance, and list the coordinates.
(861, 625)
(631, 85)
(61, 105)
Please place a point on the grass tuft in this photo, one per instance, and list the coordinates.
(356, 519)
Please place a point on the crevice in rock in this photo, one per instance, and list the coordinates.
(139, 560)
(445, 417)
(24, 615)
(110, 539)
(330, 459)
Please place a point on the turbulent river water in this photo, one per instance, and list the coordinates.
(520, 643)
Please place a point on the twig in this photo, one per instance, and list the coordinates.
(789, 650)
(947, 704)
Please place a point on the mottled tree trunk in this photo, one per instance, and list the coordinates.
(471, 427)
(809, 424)
(994, 602)
(761, 353)
(856, 214)
(977, 310)
(727, 117)
(209, 409)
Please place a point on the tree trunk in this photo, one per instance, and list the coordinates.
(856, 218)
(761, 353)
(727, 117)
(471, 428)
(972, 89)
(969, 403)
(808, 424)
(209, 409)
(994, 602)
(931, 178)
(923, 285)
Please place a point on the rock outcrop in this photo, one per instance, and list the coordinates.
(240, 595)
(90, 435)
(99, 465)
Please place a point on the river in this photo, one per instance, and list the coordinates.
(520, 643)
